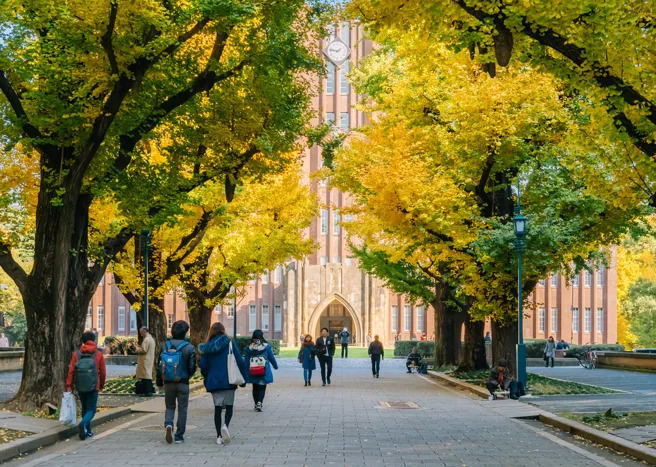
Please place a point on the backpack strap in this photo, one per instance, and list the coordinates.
(79, 354)
(181, 345)
(168, 345)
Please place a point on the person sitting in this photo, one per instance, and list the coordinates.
(498, 379)
(414, 360)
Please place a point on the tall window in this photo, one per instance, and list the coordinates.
(121, 319)
(344, 86)
(420, 319)
(588, 320)
(133, 320)
(395, 318)
(337, 259)
(348, 218)
(277, 275)
(554, 320)
(541, 319)
(217, 309)
(344, 121)
(252, 318)
(101, 317)
(323, 260)
(330, 118)
(554, 280)
(576, 280)
(348, 261)
(541, 282)
(576, 325)
(265, 317)
(345, 33)
(88, 324)
(230, 311)
(324, 221)
(265, 277)
(407, 318)
(277, 318)
(330, 78)
(169, 320)
(587, 278)
(600, 277)
(600, 320)
(336, 226)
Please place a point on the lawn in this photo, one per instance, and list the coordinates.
(354, 352)
(611, 421)
(537, 385)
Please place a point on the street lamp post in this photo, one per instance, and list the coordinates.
(145, 245)
(234, 316)
(520, 245)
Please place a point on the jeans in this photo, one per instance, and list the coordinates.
(546, 362)
(344, 350)
(325, 362)
(258, 392)
(176, 392)
(89, 401)
(307, 374)
(375, 364)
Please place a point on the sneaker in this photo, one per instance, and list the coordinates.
(169, 434)
(323, 384)
(377, 375)
(89, 434)
(306, 383)
(83, 432)
(328, 380)
(179, 439)
(225, 434)
(409, 371)
(219, 441)
(309, 383)
(490, 397)
(258, 407)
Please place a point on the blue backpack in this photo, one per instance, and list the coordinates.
(173, 369)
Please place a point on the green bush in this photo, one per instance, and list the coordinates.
(243, 341)
(576, 350)
(403, 348)
(535, 348)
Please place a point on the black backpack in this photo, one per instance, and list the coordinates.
(86, 373)
(516, 389)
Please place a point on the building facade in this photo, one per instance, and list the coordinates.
(327, 289)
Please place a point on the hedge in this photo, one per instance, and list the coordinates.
(535, 348)
(403, 348)
(119, 345)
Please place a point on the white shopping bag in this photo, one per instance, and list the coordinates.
(234, 374)
(68, 410)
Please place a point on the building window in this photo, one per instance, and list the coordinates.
(337, 259)
(169, 320)
(348, 261)
(133, 320)
(600, 320)
(420, 319)
(324, 221)
(587, 278)
(345, 33)
(252, 318)
(265, 317)
(121, 319)
(336, 227)
(89, 322)
(348, 218)
(576, 280)
(217, 309)
(101, 317)
(265, 277)
(554, 280)
(277, 318)
(541, 320)
(407, 318)
(323, 260)
(344, 121)
(575, 320)
(554, 320)
(344, 86)
(330, 119)
(541, 282)
(230, 311)
(588, 320)
(277, 275)
(600, 277)
(395, 318)
(102, 280)
(330, 78)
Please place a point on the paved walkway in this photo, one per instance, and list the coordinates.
(342, 424)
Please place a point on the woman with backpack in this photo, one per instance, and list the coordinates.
(260, 359)
(306, 358)
(214, 362)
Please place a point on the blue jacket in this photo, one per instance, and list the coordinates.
(306, 356)
(214, 363)
(267, 353)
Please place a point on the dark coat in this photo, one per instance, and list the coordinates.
(414, 359)
(376, 348)
(188, 361)
(306, 356)
(499, 379)
(214, 363)
(345, 336)
(321, 348)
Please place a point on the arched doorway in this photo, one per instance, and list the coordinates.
(335, 313)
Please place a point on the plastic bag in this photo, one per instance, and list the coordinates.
(68, 409)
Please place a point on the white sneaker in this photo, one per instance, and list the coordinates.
(225, 434)
(219, 441)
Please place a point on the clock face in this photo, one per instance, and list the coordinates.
(337, 51)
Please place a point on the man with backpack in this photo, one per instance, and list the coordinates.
(177, 364)
(87, 371)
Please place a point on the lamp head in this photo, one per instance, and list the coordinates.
(520, 225)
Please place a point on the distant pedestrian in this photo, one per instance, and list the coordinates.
(562, 345)
(4, 341)
(87, 369)
(306, 358)
(325, 351)
(488, 339)
(498, 379)
(95, 335)
(259, 359)
(369, 339)
(145, 361)
(214, 368)
(302, 338)
(177, 364)
(549, 352)
(344, 336)
(376, 352)
(413, 360)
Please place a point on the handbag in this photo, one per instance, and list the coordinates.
(234, 374)
(68, 409)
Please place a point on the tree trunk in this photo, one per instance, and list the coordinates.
(504, 342)
(473, 354)
(445, 333)
(200, 320)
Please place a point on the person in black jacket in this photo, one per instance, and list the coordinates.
(376, 352)
(498, 379)
(325, 350)
(177, 390)
(414, 359)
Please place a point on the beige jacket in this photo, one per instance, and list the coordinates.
(146, 358)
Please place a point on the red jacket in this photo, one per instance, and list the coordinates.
(88, 347)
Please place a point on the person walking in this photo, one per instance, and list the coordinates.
(376, 352)
(4, 340)
(177, 364)
(87, 368)
(325, 351)
(549, 352)
(214, 368)
(145, 360)
(344, 336)
(260, 359)
(306, 358)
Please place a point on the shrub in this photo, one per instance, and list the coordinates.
(535, 348)
(576, 350)
(119, 345)
(243, 341)
(403, 348)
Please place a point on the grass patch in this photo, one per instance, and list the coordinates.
(537, 385)
(353, 352)
(42, 414)
(614, 420)
(125, 384)
(7, 435)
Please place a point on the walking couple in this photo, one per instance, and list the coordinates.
(324, 349)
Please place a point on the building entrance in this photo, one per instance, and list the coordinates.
(335, 317)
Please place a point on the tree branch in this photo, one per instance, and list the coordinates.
(14, 101)
(106, 39)
(12, 268)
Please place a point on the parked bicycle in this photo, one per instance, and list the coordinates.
(588, 359)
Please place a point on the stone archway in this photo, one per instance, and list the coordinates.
(324, 304)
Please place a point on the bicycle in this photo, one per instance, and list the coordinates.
(588, 359)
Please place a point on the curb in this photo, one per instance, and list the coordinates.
(480, 392)
(193, 387)
(51, 436)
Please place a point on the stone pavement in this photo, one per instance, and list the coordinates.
(341, 424)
